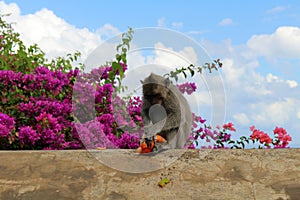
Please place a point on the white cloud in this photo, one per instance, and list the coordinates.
(105, 52)
(265, 101)
(11, 8)
(196, 32)
(108, 30)
(232, 72)
(276, 9)
(257, 90)
(161, 22)
(53, 34)
(275, 79)
(271, 78)
(277, 112)
(292, 83)
(160, 59)
(226, 22)
(298, 114)
(177, 25)
(284, 43)
(189, 54)
(166, 56)
(241, 118)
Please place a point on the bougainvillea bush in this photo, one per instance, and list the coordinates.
(54, 105)
(37, 101)
(36, 113)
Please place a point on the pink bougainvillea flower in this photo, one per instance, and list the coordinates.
(252, 128)
(283, 138)
(263, 137)
(189, 88)
(229, 126)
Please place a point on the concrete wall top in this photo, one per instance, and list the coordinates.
(122, 174)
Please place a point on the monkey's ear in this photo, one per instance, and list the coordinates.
(142, 82)
(167, 82)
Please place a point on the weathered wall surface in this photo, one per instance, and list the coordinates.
(217, 174)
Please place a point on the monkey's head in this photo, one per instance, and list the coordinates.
(155, 89)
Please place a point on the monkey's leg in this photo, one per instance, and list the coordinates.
(171, 137)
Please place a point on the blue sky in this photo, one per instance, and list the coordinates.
(259, 42)
(249, 17)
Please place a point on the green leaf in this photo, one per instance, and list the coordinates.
(176, 78)
(110, 76)
(184, 74)
(162, 183)
(119, 46)
(124, 59)
(191, 71)
(222, 144)
(124, 50)
(125, 41)
(115, 66)
(121, 72)
(200, 70)
(118, 57)
(243, 138)
(243, 145)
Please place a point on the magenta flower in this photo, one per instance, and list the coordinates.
(128, 141)
(28, 136)
(189, 88)
(7, 124)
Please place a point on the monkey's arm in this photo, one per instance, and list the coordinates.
(173, 119)
(146, 119)
(145, 113)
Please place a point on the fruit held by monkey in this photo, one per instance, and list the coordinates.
(144, 148)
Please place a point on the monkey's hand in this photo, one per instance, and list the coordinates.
(153, 129)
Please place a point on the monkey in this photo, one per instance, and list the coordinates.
(165, 112)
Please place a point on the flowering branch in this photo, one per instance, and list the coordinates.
(192, 69)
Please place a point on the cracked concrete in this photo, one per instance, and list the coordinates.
(121, 174)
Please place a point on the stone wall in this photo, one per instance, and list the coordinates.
(121, 174)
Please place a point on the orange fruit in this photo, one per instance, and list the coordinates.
(160, 139)
(143, 145)
(143, 148)
(139, 150)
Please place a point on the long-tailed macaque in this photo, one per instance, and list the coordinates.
(165, 112)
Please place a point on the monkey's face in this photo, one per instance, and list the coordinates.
(154, 93)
